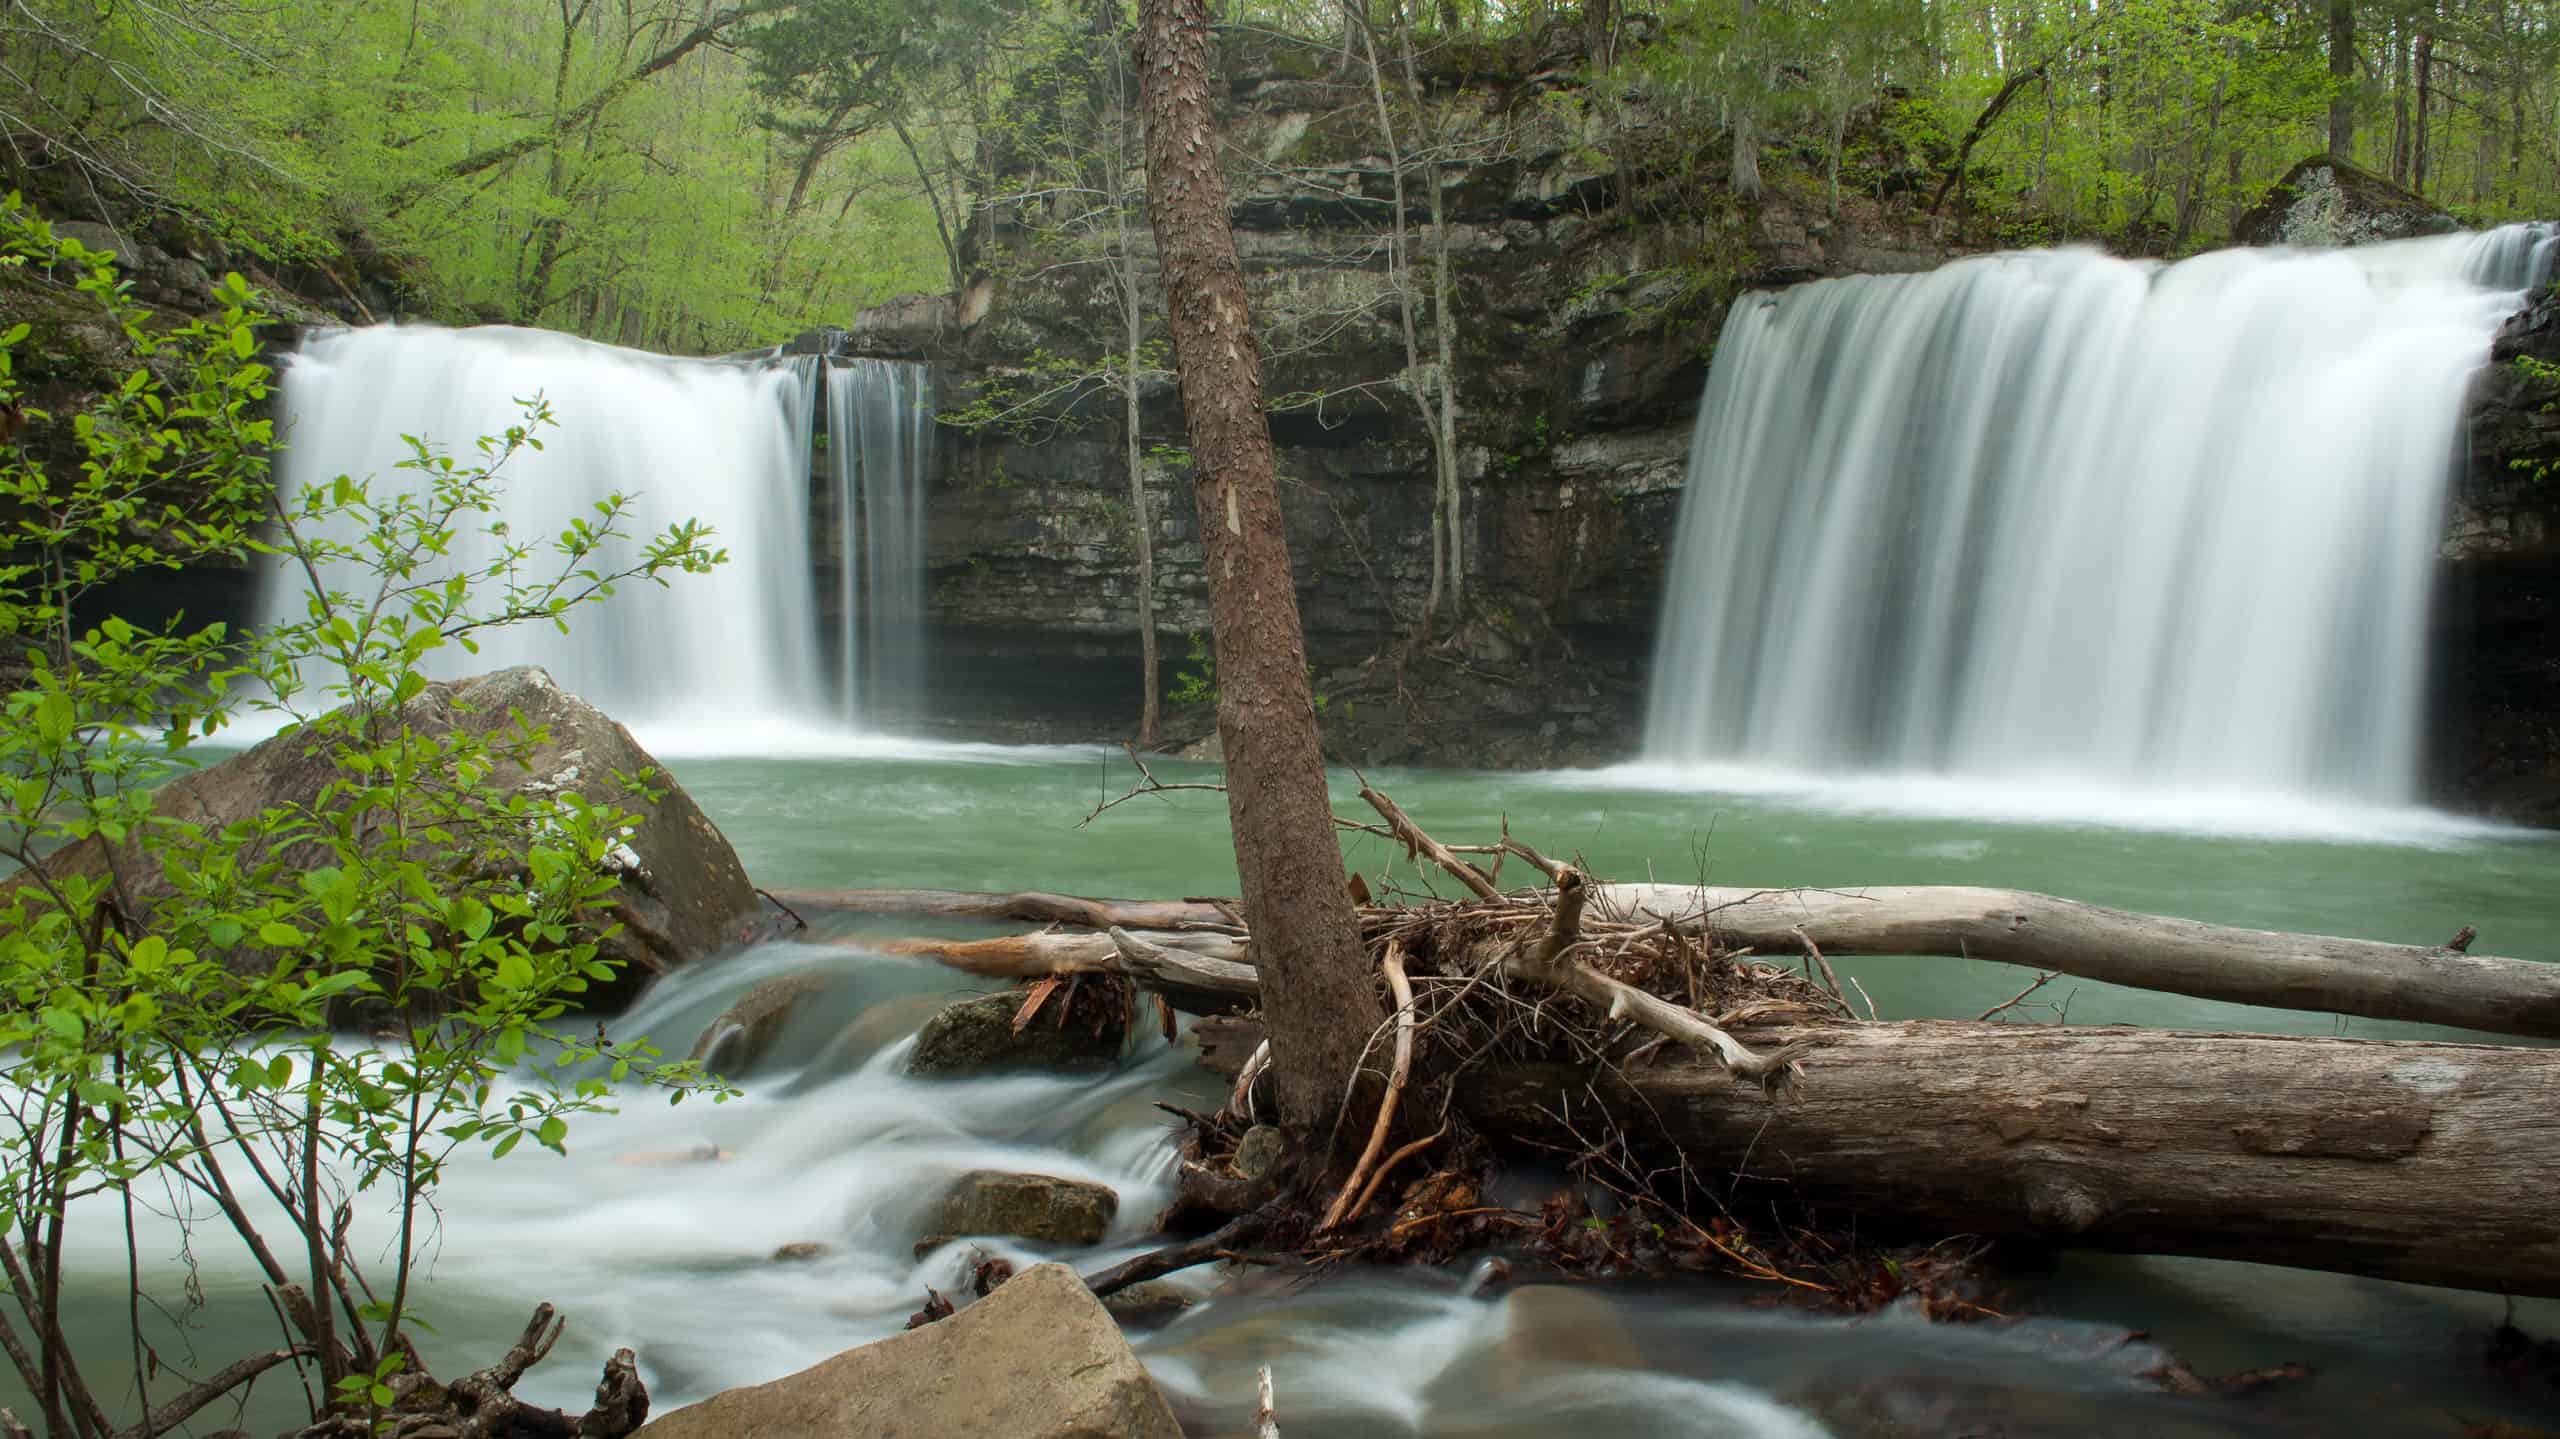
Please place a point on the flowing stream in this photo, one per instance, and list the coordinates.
(643, 1237)
(2058, 519)
(2137, 542)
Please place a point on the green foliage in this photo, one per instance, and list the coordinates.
(2547, 375)
(171, 990)
(1197, 683)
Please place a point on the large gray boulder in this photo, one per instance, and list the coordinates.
(680, 892)
(1037, 1359)
(2323, 203)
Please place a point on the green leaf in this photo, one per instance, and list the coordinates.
(276, 934)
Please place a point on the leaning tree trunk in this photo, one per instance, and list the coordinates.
(1316, 986)
(2425, 1162)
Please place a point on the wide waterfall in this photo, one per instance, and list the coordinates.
(2080, 522)
(711, 661)
(879, 443)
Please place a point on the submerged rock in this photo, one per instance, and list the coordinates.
(1039, 1358)
(1153, 1302)
(745, 1032)
(976, 1036)
(680, 892)
(1040, 1207)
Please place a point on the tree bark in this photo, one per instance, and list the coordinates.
(2408, 982)
(1034, 906)
(1315, 975)
(2423, 1162)
(2342, 74)
(2426, 48)
(1745, 177)
(2419, 984)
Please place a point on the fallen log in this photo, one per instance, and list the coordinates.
(1031, 906)
(2432, 1163)
(1047, 953)
(2414, 983)
(2419, 984)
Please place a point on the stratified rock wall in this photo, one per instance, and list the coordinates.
(1581, 348)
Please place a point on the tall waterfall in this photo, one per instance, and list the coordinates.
(879, 443)
(2056, 517)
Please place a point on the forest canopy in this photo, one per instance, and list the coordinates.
(701, 175)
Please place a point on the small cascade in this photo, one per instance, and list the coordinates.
(722, 442)
(789, 636)
(879, 418)
(2079, 521)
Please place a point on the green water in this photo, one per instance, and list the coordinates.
(955, 824)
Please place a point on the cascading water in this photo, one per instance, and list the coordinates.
(2060, 517)
(713, 660)
(879, 442)
(722, 442)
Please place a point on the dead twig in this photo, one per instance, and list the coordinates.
(1147, 784)
(1814, 951)
(2043, 978)
(1393, 964)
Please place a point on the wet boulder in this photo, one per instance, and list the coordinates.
(1039, 1207)
(1039, 1358)
(746, 1031)
(680, 892)
(977, 1036)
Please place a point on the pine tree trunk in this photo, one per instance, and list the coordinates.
(2426, 102)
(2342, 72)
(1315, 976)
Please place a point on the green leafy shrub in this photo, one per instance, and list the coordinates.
(172, 992)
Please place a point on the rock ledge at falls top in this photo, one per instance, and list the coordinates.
(1039, 1358)
(682, 893)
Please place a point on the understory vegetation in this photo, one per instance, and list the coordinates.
(179, 998)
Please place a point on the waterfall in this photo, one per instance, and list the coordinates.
(879, 443)
(2078, 521)
(711, 660)
(722, 442)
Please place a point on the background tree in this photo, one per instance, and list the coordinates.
(1316, 988)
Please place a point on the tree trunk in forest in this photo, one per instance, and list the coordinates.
(1315, 974)
(2429, 1163)
(2342, 74)
(2400, 104)
(2426, 54)
(1745, 178)
(1443, 409)
(1133, 317)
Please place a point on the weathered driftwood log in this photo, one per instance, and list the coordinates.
(2415, 983)
(2427, 1162)
(2412, 983)
(1032, 906)
(1041, 955)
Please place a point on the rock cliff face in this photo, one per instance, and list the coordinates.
(1581, 347)
(2497, 726)
(1592, 278)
